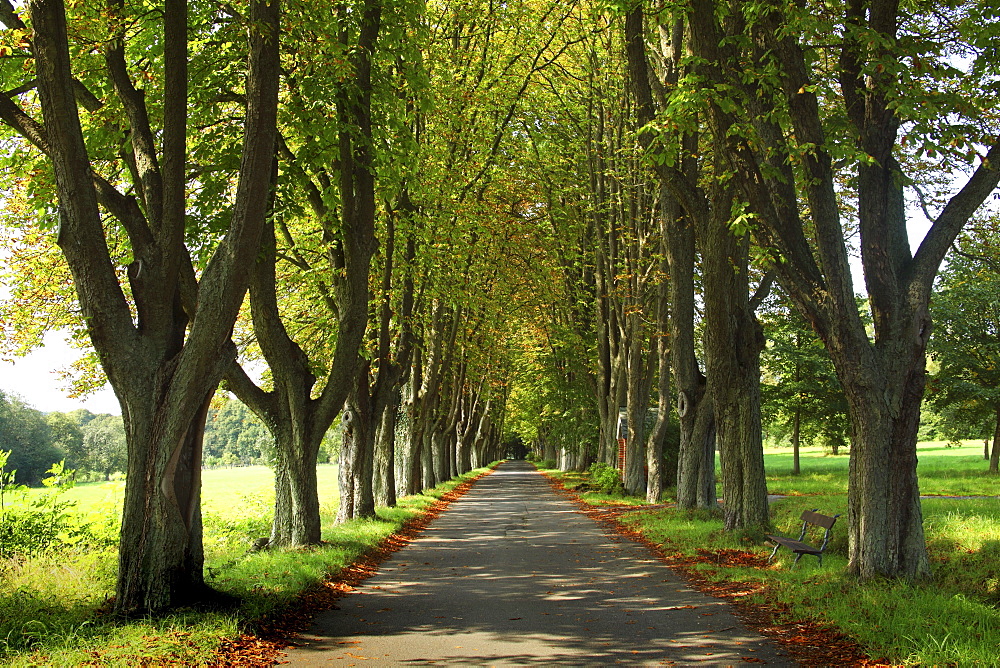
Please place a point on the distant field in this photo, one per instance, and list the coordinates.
(941, 470)
(229, 492)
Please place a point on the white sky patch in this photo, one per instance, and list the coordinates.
(35, 378)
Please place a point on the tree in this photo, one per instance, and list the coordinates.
(27, 436)
(733, 338)
(105, 442)
(966, 337)
(67, 437)
(345, 215)
(802, 396)
(796, 96)
(161, 330)
(232, 429)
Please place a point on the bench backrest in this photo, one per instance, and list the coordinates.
(812, 517)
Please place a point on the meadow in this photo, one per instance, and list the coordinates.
(953, 620)
(51, 605)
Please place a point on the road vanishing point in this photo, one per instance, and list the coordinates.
(514, 574)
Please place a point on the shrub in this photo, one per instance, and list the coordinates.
(605, 478)
(30, 527)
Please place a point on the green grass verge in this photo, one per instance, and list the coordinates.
(50, 606)
(954, 620)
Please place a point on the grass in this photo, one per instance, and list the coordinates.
(954, 620)
(223, 490)
(50, 605)
(943, 470)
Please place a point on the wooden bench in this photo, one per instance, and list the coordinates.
(809, 518)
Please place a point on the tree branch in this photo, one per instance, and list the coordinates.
(954, 216)
(150, 185)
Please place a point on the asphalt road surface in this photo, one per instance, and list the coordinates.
(513, 574)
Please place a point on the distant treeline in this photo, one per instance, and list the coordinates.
(94, 444)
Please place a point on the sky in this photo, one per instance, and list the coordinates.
(35, 379)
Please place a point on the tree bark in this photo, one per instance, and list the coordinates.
(385, 453)
(357, 453)
(669, 212)
(637, 402)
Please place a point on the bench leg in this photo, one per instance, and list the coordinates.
(797, 557)
(773, 552)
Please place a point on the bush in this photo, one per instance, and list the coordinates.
(605, 478)
(30, 527)
(546, 464)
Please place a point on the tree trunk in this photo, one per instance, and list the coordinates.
(413, 460)
(733, 341)
(884, 515)
(160, 563)
(385, 459)
(669, 212)
(357, 453)
(641, 356)
(884, 385)
(995, 457)
(281, 524)
(428, 468)
(796, 423)
(345, 469)
(296, 504)
(414, 457)
(695, 410)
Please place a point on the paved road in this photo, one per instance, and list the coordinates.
(513, 573)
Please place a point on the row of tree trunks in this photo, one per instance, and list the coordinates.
(726, 411)
(446, 425)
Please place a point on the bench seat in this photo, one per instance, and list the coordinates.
(796, 546)
(810, 518)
